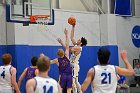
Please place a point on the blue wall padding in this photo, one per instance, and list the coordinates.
(22, 55)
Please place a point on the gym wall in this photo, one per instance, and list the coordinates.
(23, 42)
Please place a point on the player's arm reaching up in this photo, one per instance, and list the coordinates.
(128, 71)
(67, 43)
(72, 36)
(61, 42)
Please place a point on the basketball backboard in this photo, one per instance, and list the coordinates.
(19, 11)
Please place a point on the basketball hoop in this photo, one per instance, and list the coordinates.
(40, 19)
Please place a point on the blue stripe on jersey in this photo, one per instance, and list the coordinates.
(35, 84)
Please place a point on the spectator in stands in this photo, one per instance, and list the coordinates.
(137, 74)
(122, 84)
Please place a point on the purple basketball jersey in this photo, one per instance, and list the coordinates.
(30, 73)
(64, 65)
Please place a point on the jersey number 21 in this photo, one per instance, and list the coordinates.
(106, 78)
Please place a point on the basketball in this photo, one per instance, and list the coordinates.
(72, 21)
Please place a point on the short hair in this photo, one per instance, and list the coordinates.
(43, 64)
(34, 60)
(83, 41)
(103, 56)
(60, 52)
(6, 58)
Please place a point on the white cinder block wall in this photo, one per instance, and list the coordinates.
(36, 35)
(124, 28)
(2, 25)
(116, 30)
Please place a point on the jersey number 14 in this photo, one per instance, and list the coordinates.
(50, 90)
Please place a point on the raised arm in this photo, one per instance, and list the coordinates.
(128, 71)
(67, 43)
(72, 35)
(61, 42)
(88, 80)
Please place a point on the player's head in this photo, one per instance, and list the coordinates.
(60, 53)
(34, 60)
(82, 41)
(6, 59)
(43, 64)
(103, 56)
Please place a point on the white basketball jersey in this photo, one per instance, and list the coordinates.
(105, 79)
(46, 85)
(75, 57)
(75, 63)
(78, 56)
(5, 79)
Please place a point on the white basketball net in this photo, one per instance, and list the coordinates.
(42, 21)
(42, 24)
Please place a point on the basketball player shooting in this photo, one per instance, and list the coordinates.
(75, 56)
(76, 53)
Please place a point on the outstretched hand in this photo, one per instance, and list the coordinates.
(59, 40)
(73, 25)
(123, 54)
(65, 31)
